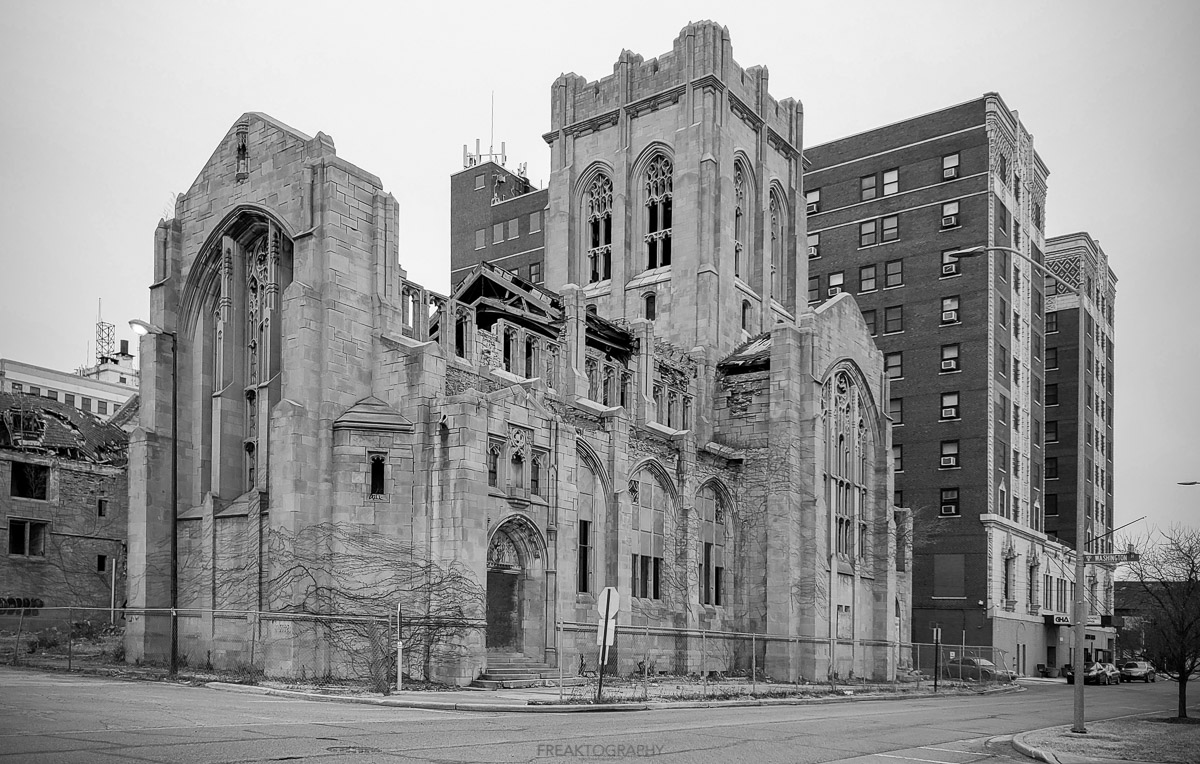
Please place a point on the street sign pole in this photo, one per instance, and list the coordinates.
(611, 603)
(937, 652)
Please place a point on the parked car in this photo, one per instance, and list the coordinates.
(977, 670)
(1094, 673)
(1143, 670)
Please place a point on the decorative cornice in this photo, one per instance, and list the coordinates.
(781, 144)
(656, 101)
(745, 113)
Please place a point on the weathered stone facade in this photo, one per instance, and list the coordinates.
(488, 461)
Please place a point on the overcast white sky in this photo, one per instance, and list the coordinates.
(108, 108)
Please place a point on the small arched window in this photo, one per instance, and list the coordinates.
(747, 315)
(658, 189)
(650, 306)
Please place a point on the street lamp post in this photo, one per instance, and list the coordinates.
(1080, 511)
(143, 328)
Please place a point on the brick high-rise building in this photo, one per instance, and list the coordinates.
(1079, 390)
(963, 347)
(496, 215)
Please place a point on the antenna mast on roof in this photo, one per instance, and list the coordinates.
(104, 335)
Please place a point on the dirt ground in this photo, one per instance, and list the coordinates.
(1151, 739)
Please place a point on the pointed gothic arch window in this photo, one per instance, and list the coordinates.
(599, 205)
(651, 523)
(847, 463)
(658, 191)
(779, 274)
(739, 221)
(714, 543)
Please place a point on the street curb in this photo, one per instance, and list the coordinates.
(549, 708)
(426, 704)
(1024, 748)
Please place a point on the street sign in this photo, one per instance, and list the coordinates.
(608, 603)
(1110, 558)
(605, 637)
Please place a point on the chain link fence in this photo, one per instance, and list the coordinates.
(353, 652)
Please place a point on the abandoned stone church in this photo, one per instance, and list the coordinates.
(665, 415)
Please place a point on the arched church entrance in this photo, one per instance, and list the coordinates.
(516, 596)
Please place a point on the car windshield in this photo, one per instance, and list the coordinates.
(1131, 665)
(984, 663)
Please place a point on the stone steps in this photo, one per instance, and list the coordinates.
(511, 671)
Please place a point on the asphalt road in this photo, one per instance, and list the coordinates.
(64, 718)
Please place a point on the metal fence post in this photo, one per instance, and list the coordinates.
(753, 665)
(70, 642)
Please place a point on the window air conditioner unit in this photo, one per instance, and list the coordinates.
(949, 509)
(949, 173)
(949, 365)
(949, 316)
(949, 461)
(949, 413)
(949, 269)
(811, 208)
(812, 252)
(834, 291)
(949, 221)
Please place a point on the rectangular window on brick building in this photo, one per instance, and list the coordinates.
(814, 288)
(869, 317)
(29, 481)
(513, 229)
(866, 234)
(86, 404)
(897, 458)
(893, 365)
(896, 409)
(481, 239)
(27, 538)
(890, 227)
(866, 278)
(891, 182)
(949, 502)
(893, 273)
(866, 187)
(949, 358)
(101, 407)
(497, 233)
(893, 319)
(950, 167)
(535, 273)
(70, 399)
(950, 215)
(480, 180)
(535, 221)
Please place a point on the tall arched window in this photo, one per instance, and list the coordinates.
(658, 186)
(846, 464)
(599, 215)
(747, 315)
(739, 220)
(651, 501)
(779, 276)
(712, 518)
(589, 520)
(650, 307)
